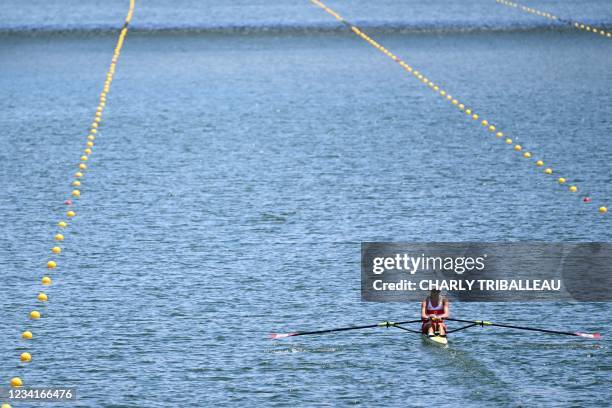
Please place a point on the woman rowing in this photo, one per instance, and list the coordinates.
(434, 309)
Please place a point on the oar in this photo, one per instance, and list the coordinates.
(594, 336)
(275, 336)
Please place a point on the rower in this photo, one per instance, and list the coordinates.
(434, 309)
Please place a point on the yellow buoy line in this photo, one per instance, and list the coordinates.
(579, 26)
(76, 184)
(460, 106)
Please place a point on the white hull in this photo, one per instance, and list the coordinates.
(436, 340)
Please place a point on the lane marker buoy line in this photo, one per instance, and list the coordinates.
(468, 112)
(575, 24)
(76, 185)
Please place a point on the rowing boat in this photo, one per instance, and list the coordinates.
(435, 340)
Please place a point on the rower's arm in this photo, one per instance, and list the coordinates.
(446, 310)
(424, 310)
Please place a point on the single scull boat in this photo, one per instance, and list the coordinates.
(437, 340)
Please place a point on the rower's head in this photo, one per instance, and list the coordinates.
(434, 293)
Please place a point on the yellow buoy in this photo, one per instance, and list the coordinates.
(91, 138)
(62, 224)
(468, 111)
(527, 155)
(34, 315)
(82, 166)
(70, 214)
(6, 406)
(499, 134)
(59, 237)
(87, 151)
(573, 189)
(78, 174)
(51, 264)
(25, 357)
(56, 250)
(46, 280)
(76, 183)
(76, 193)
(562, 180)
(518, 148)
(603, 209)
(27, 335)
(475, 116)
(485, 123)
(83, 158)
(539, 163)
(548, 171)
(508, 141)
(491, 128)
(42, 297)
(16, 382)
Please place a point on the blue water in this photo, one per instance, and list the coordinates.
(235, 177)
(291, 15)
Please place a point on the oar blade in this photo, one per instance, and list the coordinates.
(277, 336)
(593, 336)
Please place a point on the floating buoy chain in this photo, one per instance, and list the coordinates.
(488, 126)
(579, 26)
(76, 185)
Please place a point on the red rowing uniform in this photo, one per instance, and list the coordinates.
(432, 310)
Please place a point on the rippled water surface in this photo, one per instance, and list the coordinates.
(234, 179)
(288, 15)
